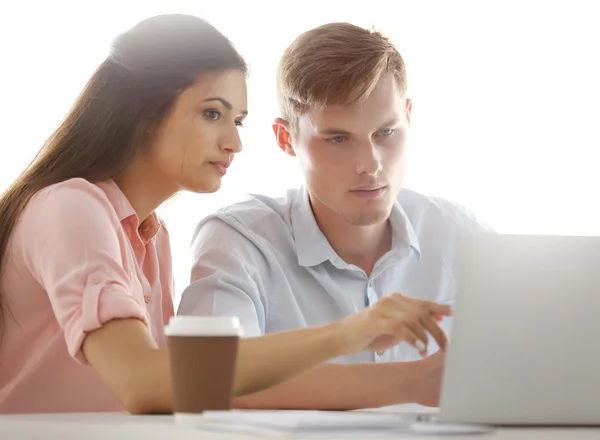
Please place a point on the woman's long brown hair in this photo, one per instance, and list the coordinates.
(119, 109)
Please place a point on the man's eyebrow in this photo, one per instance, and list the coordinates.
(332, 131)
(391, 122)
(339, 131)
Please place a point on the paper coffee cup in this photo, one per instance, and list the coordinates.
(202, 356)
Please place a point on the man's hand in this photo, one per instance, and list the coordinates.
(427, 387)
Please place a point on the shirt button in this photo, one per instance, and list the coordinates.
(380, 353)
(146, 299)
(370, 283)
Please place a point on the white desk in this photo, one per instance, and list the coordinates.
(126, 427)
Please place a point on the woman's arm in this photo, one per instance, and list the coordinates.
(137, 372)
(126, 358)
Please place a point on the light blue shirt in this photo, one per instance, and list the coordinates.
(266, 261)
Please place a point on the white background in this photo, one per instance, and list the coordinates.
(506, 97)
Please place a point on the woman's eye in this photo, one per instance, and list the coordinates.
(214, 115)
(239, 124)
(387, 132)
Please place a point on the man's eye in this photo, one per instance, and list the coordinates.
(337, 139)
(387, 132)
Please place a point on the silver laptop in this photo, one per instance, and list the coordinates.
(525, 341)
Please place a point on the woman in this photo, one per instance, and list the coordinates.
(86, 282)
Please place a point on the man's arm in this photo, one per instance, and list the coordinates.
(355, 386)
(339, 387)
(225, 277)
(225, 281)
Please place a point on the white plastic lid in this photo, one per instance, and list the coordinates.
(204, 326)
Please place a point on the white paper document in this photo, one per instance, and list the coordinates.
(319, 423)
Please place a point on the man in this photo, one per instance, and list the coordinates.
(348, 237)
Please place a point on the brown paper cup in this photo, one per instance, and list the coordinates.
(202, 357)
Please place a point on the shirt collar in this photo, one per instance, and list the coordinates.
(126, 214)
(404, 237)
(311, 245)
(313, 248)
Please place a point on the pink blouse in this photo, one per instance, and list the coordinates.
(77, 259)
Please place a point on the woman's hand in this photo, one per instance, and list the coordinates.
(393, 319)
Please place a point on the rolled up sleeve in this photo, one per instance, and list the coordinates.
(75, 249)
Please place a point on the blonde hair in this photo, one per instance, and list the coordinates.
(334, 64)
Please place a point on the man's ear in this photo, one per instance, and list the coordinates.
(283, 136)
(408, 109)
